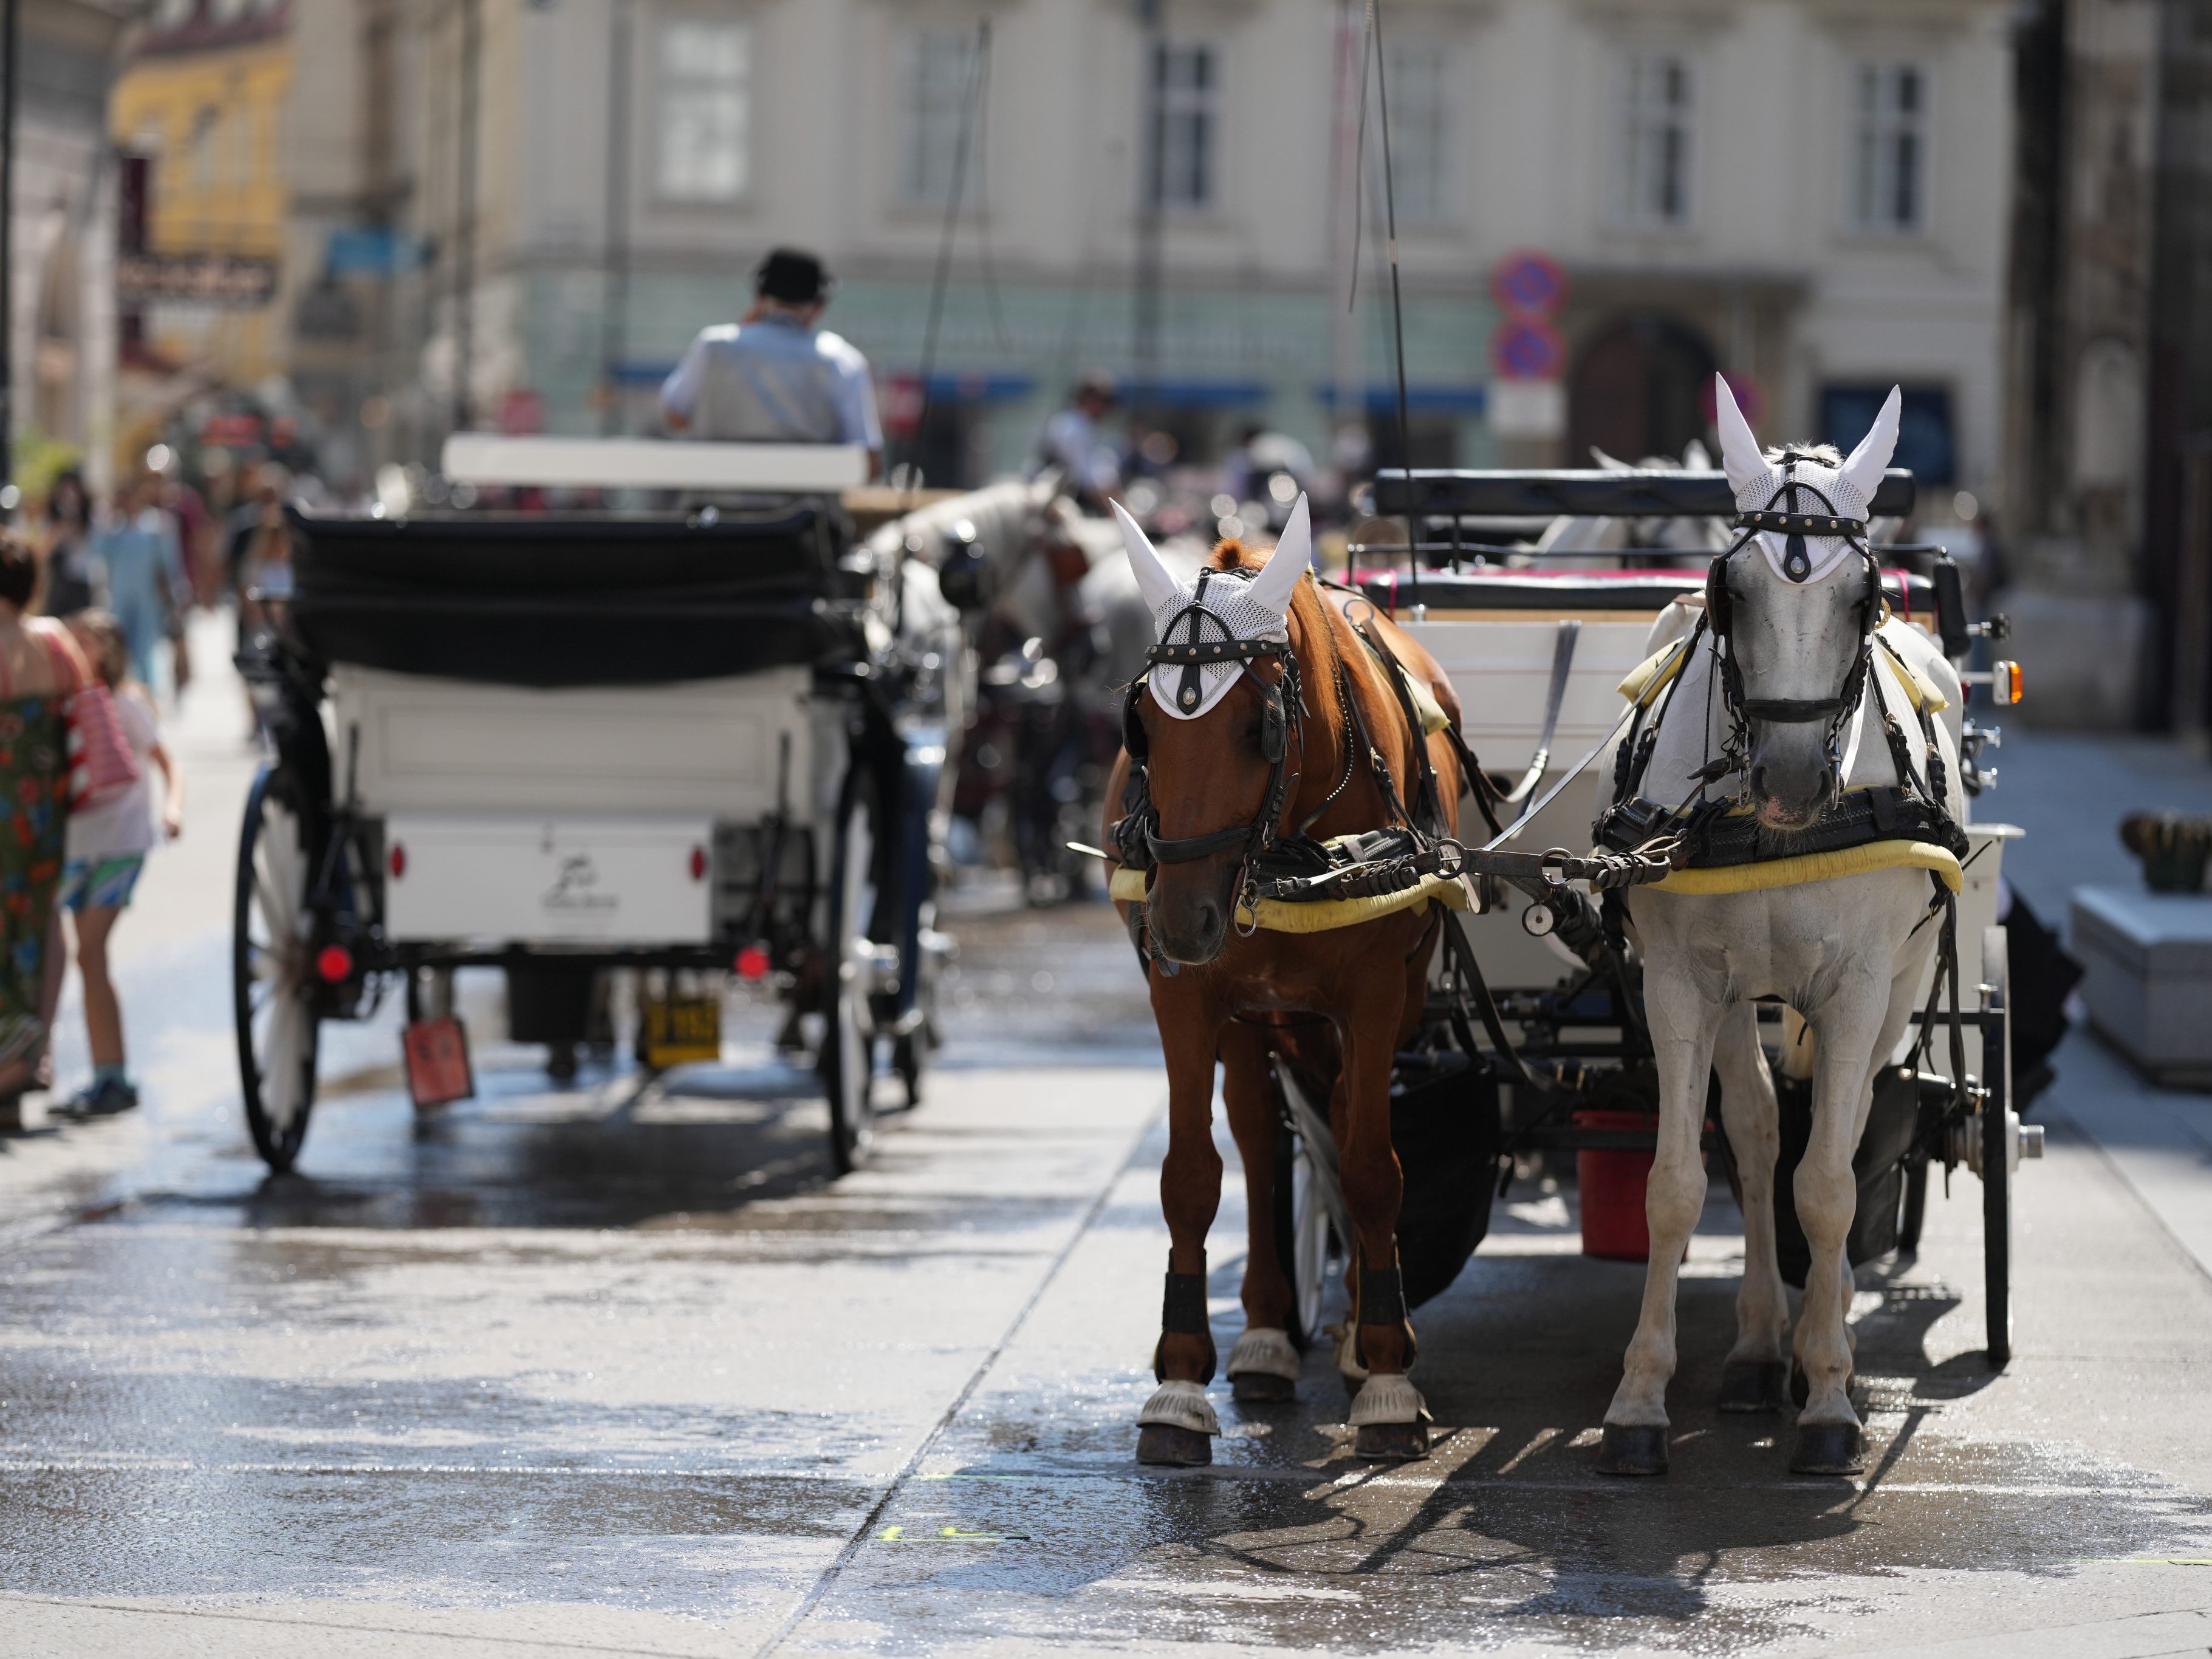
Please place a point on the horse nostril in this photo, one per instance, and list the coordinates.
(1758, 780)
(1209, 921)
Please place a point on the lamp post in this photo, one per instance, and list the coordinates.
(1151, 185)
(11, 90)
(465, 215)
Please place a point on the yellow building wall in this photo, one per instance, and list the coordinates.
(213, 121)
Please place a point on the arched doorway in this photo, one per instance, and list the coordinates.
(1639, 389)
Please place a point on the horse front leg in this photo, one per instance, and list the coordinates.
(1177, 1422)
(1389, 1413)
(1756, 1377)
(1847, 1027)
(1264, 1365)
(1684, 1022)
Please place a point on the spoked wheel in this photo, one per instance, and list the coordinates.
(1306, 1201)
(1302, 1234)
(848, 1061)
(2000, 1134)
(272, 984)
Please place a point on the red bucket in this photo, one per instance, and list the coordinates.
(1612, 1184)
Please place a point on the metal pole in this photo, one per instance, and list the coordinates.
(11, 27)
(465, 215)
(614, 317)
(1151, 185)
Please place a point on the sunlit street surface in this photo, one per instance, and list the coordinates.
(616, 1368)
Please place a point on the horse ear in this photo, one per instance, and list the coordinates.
(1609, 463)
(1871, 458)
(1696, 457)
(1152, 578)
(1279, 577)
(1740, 458)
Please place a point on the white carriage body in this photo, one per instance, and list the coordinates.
(572, 816)
(1500, 664)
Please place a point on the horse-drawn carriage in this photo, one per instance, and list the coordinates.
(1539, 656)
(707, 738)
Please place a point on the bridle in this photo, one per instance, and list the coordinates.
(1782, 515)
(1280, 704)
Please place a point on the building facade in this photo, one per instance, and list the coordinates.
(62, 330)
(1811, 194)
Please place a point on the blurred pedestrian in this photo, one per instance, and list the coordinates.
(143, 569)
(1072, 445)
(107, 847)
(66, 548)
(40, 669)
(775, 375)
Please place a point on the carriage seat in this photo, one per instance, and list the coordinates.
(1552, 593)
(540, 600)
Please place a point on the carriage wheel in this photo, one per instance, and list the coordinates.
(272, 983)
(847, 1061)
(1913, 1210)
(1998, 1133)
(1303, 1238)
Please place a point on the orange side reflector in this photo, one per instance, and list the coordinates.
(2010, 682)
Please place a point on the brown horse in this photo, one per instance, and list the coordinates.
(1337, 1005)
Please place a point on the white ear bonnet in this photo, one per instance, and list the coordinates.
(1762, 485)
(1247, 604)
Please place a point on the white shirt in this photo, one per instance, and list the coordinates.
(124, 826)
(772, 381)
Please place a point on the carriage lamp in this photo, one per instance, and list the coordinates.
(698, 864)
(334, 964)
(752, 963)
(396, 860)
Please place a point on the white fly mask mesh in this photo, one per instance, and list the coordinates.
(1763, 486)
(1218, 606)
(1838, 495)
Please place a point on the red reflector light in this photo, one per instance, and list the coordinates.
(752, 963)
(698, 864)
(335, 963)
(397, 858)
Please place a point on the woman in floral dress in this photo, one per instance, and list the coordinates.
(40, 667)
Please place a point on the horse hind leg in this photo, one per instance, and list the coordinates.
(1391, 1418)
(1684, 1025)
(1264, 1365)
(1755, 1376)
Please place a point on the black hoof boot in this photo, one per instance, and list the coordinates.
(1174, 1447)
(1392, 1443)
(1753, 1385)
(1632, 1448)
(1828, 1448)
(1262, 1387)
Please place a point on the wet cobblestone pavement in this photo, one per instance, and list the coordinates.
(618, 1368)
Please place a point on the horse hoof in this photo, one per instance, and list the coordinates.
(1826, 1449)
(1392, 1443)
(1173, 1447)
(1260, 1388)
(1632, 1448)
(1752, 1385)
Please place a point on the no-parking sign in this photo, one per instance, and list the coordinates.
(1528, 284)
(1527, 348)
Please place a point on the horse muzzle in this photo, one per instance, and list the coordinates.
(1187, 912)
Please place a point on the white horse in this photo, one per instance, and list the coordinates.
(1848, 953)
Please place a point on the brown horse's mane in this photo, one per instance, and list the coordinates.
(1318, 624)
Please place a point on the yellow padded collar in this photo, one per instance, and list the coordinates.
(1324, 915)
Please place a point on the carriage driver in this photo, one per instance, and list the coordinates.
(772, 376)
